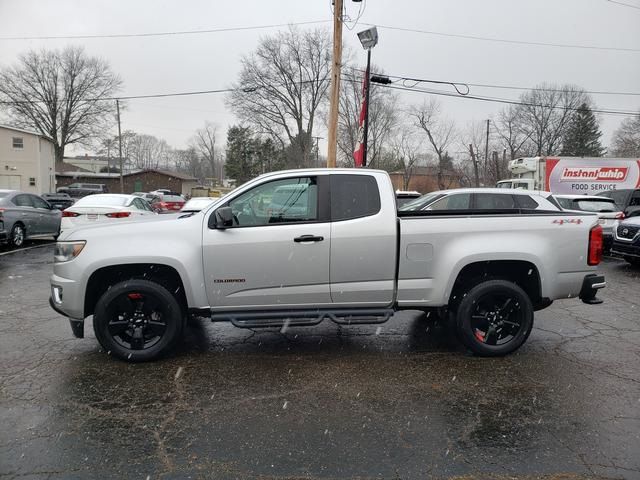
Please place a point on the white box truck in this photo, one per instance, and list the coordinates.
(573, 175)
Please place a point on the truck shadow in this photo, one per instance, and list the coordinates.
(406, 332)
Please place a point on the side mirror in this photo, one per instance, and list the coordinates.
(223, 218)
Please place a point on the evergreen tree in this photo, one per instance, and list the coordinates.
(582, 138)
(242, 163)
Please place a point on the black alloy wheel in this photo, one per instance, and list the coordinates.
(137, 320)
(495, 318)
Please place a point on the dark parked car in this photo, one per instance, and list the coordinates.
(627, 200)
(24, 215)
(626, 240)
(79, 190)
(58, 200)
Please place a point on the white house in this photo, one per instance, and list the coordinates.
(27, 161)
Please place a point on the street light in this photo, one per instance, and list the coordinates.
(368, 39)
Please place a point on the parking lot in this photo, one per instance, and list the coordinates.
(397, 401)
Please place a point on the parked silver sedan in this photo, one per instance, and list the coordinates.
(25, 215)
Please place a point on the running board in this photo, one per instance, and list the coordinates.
(296, 318)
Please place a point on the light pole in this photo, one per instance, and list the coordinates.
(368, 39)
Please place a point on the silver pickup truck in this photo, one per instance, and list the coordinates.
(298, 247)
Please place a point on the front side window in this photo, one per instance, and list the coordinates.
(39, 203)
(353, 196)
(290, 200)
(635, 199)
(18, 142)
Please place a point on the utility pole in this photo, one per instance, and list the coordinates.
(475, 165)
(317, 139)
(334, 96)
(120, 147)
(486, 151)
(366, 112)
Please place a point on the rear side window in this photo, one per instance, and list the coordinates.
(353, 196)
(526, 202)
(22, 201)
(494, 201)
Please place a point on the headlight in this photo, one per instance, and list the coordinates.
(66, 251)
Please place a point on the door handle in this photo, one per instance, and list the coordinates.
(308, 238)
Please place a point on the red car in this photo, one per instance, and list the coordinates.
(168, 203)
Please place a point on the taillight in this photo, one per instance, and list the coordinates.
(70, 214)
(118, 214)
(595, 245)
(620, 216)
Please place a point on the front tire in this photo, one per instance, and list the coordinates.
(17, 236)
(635, 261)
(138, 320)
(494, 318)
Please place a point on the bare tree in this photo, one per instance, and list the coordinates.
(626, 139)
(147, 151)
(188, 161)
(512, 133)
(383, 118)
(545, 113)
(282, 85)
(440, 133)
(204, 142)
(60, 94)
(406, 148)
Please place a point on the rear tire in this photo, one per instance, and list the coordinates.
(494, 318)
(17, 236)
(138, 320)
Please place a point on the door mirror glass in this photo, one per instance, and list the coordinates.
(223, 217)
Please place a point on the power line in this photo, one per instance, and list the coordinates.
(502, 40)
(605, 111)
(502, 87)
(507, 101)
(164, 34)
(162, 95)
(624, 4)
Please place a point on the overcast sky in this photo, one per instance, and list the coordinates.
(211, 61)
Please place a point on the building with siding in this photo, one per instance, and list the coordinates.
(27, 161)
(136, 181)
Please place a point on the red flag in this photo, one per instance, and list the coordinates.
(358, 153)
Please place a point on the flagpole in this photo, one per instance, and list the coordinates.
(366, 113)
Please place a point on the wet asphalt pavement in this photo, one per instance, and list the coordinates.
(397, 401)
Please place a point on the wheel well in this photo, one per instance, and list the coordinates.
(522, 273)
(104, 278)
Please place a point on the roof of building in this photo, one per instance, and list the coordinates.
(21, 130)
(87, 174)
(63, 167)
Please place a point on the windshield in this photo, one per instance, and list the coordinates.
(589, 205)
(172, 198)
(102, 200)
(420, 202)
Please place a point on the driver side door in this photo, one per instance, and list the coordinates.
(276, 254)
